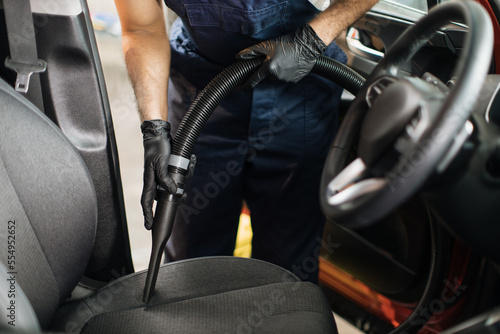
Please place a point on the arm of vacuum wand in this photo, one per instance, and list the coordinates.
(166, 207)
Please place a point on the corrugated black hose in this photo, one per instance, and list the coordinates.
(227, 81)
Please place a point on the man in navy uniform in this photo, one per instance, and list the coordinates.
(265, 145)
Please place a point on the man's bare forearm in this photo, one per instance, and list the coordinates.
(148, 62)
(147, 54)
(338, 16)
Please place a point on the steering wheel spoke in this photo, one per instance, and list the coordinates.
(353, 183)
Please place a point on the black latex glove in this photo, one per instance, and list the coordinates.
(156, 140)
(288, 58)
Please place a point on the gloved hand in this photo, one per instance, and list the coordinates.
(156, 140)
(289, 57)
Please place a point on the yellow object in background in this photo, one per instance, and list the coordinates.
(243, 246)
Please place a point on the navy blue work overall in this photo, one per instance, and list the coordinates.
(265, 146)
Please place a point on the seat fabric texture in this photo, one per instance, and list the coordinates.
(45, 188)
(204, 295)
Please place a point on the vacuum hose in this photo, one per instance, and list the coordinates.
(220, 87)
(189, 130)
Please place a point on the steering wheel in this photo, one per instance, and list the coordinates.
(405, 127)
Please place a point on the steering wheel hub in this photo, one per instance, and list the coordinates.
(387, 119)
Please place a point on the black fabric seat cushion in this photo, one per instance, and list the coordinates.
(204, 295)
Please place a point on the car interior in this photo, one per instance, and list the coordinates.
(410, 189)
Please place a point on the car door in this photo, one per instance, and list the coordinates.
(75, 99)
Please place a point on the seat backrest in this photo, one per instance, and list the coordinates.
(48, 206)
